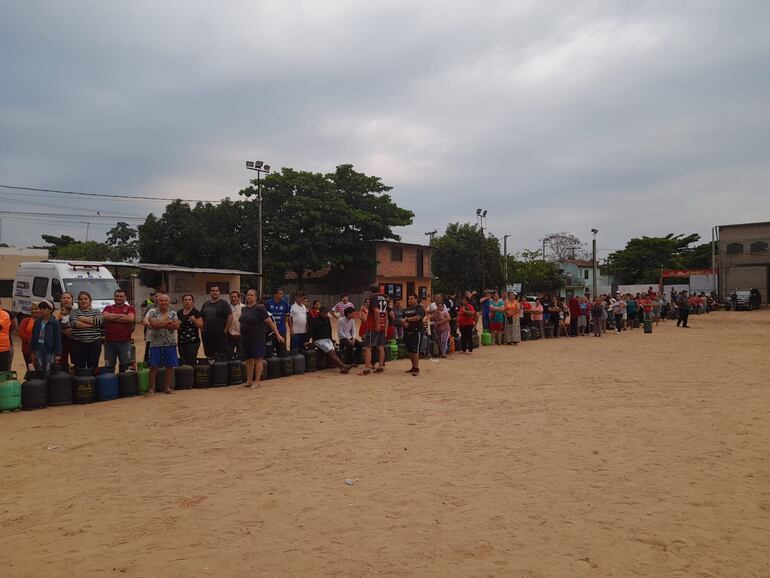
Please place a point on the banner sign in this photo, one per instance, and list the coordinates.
(687, 272)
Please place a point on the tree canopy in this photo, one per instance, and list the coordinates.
(314, 221)
(534, 273)
(643, 258)
(311, 221)
(456, 260)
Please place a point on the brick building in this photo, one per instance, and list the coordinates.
(403, 269)
(398, 268)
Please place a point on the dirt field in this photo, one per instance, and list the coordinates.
(621, 456)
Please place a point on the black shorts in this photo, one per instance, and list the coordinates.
(412, 340)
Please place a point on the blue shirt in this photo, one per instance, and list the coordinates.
(279, 311)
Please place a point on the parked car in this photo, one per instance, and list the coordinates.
(741, 299)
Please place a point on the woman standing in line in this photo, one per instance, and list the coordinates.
(86, 325)
(512, 319)
(254, 321)
(466, 322)
(63, 317)
(496, 318)
(189, 336)
(537, 317)
(25, 335)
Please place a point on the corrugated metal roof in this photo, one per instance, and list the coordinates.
(156, 267)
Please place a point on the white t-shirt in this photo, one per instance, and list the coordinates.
(298, 318)
(235, 328)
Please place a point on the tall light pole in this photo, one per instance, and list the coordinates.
(481, 217)
(431, 234)
(505, 257)
(594, 231)
(260, 167)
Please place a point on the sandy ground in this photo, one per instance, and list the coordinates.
(621, 456)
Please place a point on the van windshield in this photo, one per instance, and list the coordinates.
(99, 289)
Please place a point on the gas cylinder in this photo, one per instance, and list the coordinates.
(219, 373)
(309, 355)
(273, 367)
(106, 385)
(287, 366)
(10, 391)
(83, 385)
(59, 386)
(184, 376)
(202, 374)
(298, 364)
(128, 384)
(34, 391)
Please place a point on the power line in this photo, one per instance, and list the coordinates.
(107, 195)
(79, 216)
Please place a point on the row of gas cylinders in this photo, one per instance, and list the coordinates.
(87, 385)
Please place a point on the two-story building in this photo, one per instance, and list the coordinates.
(579, 277)
(398, 268)
(744, 259)
(403, 269)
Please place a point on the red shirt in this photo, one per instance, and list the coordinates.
(118, 332)
(377, 317)
(466, 316)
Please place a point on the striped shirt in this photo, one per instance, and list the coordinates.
(90, 334)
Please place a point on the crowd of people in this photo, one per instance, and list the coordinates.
(258, 328)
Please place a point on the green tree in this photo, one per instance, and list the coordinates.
(698, 257)
(534, 273)
(123, 241)
(314, 221)
(643, 258)
(85, 251)
(456, 260)
(56, 243)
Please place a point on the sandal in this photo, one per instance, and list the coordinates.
(365, 372)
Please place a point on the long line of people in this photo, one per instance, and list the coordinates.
(261, 328)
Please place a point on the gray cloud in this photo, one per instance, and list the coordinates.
(632, 117)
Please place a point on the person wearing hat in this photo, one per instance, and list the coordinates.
(45, 344)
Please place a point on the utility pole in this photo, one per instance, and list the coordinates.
(260, 167)
(593, 295)
(431, 234)
(481, 216)
(505, 257)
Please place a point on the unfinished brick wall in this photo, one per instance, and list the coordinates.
(407, 267)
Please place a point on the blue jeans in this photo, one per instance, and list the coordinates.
(297, 341)
(44, 361)
(120, 351)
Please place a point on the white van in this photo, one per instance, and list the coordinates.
(49, 279)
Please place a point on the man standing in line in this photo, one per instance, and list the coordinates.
(118, 328)
(162, 323)
(234, 333)
(684, 309)
(376, 330)
(279, 309)
(217, 318)
(298, 323)
(413, 331)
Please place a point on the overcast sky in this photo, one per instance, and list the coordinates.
(632, 117)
